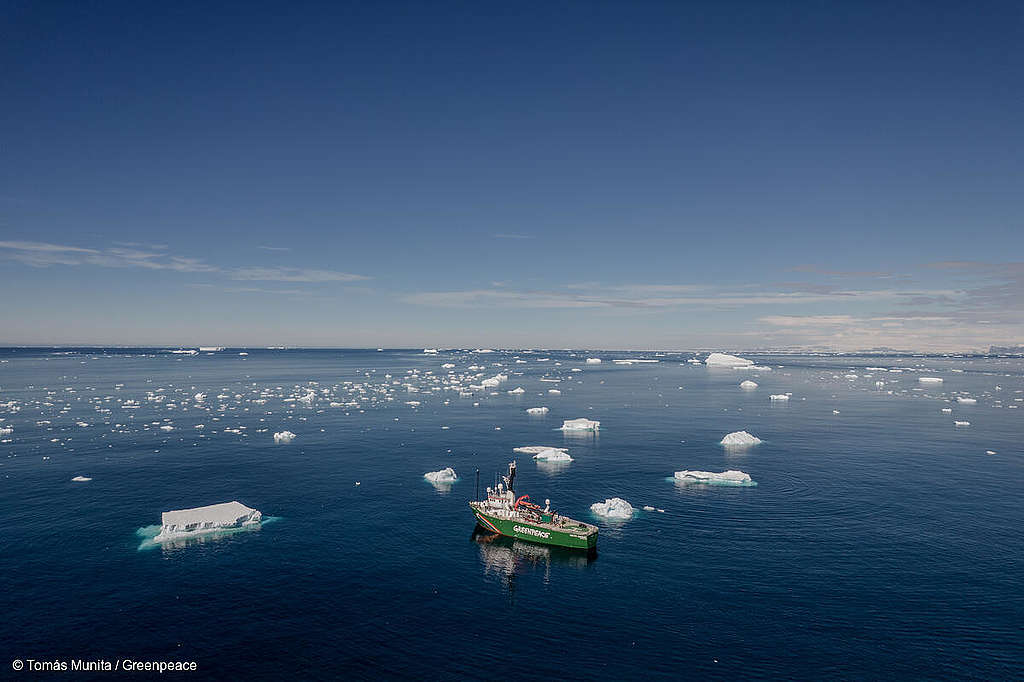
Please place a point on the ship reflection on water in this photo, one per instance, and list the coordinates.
(508, 557)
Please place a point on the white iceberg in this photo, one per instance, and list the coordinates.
(215, 517)
(748, 385)
(726, 360)
(778, 397)
(581, 424)
(446, 475)
(739, 439)
(553, 455)
(284, 437)
(534, 449)
(519, 390)
(613, 508)
(536, 410)
(731, 477)
(81, 479)
(967, 401)
(929, 380)
(593, 361)
(956, 423)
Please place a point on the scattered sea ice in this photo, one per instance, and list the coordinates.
(613, 508)
(284, 437)
(446, 475)
(739, 439)
(731, 477)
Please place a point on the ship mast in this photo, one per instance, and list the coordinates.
(510, 480)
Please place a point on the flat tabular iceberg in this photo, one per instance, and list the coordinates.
(613, 508)
(726, 360)
(731, 477)
(446, 475)
(779, 396)
(553, 455)
(739, 439)
(284, 437)
(81, 479)
(967, 401)
(930, 380)
(225, 516)
(581, 424)
(534, 449)
(593, 361)
(536, 410)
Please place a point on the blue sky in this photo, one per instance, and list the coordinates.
(610, 175)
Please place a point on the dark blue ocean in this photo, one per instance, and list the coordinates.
(880, 542)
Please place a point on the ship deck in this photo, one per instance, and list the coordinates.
(569, 525)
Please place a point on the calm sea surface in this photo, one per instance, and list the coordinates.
(879, 542)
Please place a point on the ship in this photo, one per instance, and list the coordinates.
(504, 513)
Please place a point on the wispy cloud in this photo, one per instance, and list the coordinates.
(42, 254)
(285, 274)
(275, 248)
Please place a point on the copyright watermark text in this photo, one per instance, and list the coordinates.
(127, 665)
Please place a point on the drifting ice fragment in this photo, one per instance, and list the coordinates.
(593, 361)
(446, 475)
(613, 508)
(731, 477)
(779, 396)
(739, 439)
(225, 516)
(534, 449)
(85, 479)
(553, 455)
(967, 401)
(947, 410)
(956, 423)
(990, 452)
(517, 391)
(929, 380)
(748, 385)
(726, 360)
(581, 424)
(536, 410)
(284, 437)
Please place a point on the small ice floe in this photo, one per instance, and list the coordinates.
(835, 411)
(613, 508)
(879, 384)
(554, 391)
(199, 397)
(215, 517)
(581, 424)
(739, 439)
(990, 452)
(6, 430)
(960, 423)
(967, 401)
(726, 360)
(779, 397)
(517, 391)
(731, 477)
(446, 475)
(553, 455)
(536, 410)
(86, 479)
(648, 507)
(929, 380)
(284, 437)
(430, 351)
(448, 365)
(748, 385)
(947, 410)
(82, 424)
(166, 427)
(593, 361)
(534, 449)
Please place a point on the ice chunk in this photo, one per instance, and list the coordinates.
(553, 455)
(929, 380)
(967, 401)
(430, 351)
(956, 423)
(81, 479)
(536, 410)
(534, 449)
(947, 410)
(284, 437)
(519, 390)
(779, 396)
(199, 397)
(215, 517)
(748, 385)
(581, 424)
(648, 507)
(739, 439)
(554, 391)
(593, 361)
(990, 452)
(731, 477)
(446, 475)
(613, 508)
(726, 360)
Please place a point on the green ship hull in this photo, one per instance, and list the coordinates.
(570, 533)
